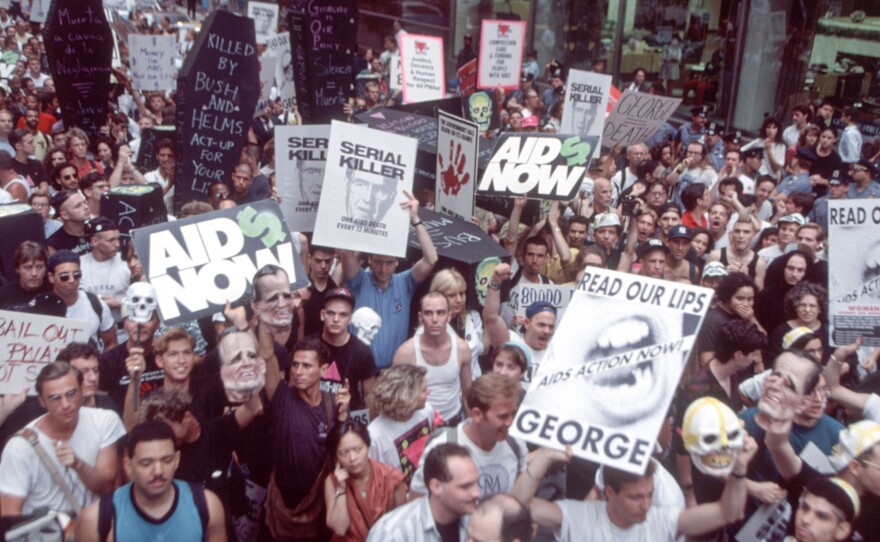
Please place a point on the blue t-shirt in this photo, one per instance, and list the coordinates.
(181, 523)
(391, 304)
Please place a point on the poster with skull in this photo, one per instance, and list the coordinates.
(482, 108)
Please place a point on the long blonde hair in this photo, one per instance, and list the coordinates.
(447, 280)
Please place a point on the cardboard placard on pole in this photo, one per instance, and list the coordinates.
(586, 100)
(637, 117)
(152, 61)
(300, 159)
(457, 167)
(501, 54)
(265, 16)
(421, 59)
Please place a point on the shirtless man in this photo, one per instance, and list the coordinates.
(677, 268)
(739, 256)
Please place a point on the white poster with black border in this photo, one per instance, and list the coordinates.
(421, 61)
(364, 181)
(501, 53)
(152, 61)
(458, 144)
(278, 46)
(612, 368)
(539, 166)
(636, 117)
(586, 99)
(265, 18)
(300, 158)
(854, 271)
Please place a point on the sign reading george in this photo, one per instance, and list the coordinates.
(28, 342)
(586, 100)
(458, 142)
(604, 389)
(367, 172)
(501, 52)
(79, 44)
(199, 263)
(421, 59)
(854, 278)
(540, 166)
(637, 117)
(300, 158)
(217, 91)
(152, 61)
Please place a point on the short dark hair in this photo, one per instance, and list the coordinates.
(738, 336)
(321, 248)
(801, 289)
(165, 403)
(313, 344)
(764, 179)
(29, 250)
(802, 109)
(645, 167)
(436, 462)
(54, 371)
(537, 241)
(334, 437)
(731, 181)
(147, 432)
(579, 219)
(17, 135)
(90, 179)
(731, 283)
(265, 271)
(165, 143)
(804, 200)
(692, 194)
(615, 478)
(77, 351)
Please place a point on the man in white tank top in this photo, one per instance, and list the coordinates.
(445, 355)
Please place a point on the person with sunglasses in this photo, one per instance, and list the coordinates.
(217, 193)
(63, 270)
(864, 177)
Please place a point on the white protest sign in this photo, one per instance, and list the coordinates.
(853, 275)
(421, 60)
(267, 79)
(637, 117)
(278, 46)
(612, 367)
(265, 18)
(395, 72)
(152, 61)
(525, 293)
(300, 157)
(586, 99)
(366, 174)
(28, 342)
(501, 52)
(458, 144)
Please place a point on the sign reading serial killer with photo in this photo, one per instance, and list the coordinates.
(586, 100)
(199, 263)
(300, 157)
(605, 388)
(366, 174)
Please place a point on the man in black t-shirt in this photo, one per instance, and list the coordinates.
(113, 363)
(350, 359)
(73, 210)
(29, 262)
(22, 140)
(320, 262)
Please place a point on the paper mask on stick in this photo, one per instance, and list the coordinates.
(367, 323)
(712, 435)
(140, 302)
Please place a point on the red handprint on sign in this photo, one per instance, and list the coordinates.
(454, 176)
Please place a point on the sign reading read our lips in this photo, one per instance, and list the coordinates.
(605, 389)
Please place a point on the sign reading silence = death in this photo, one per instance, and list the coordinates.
(539, 166)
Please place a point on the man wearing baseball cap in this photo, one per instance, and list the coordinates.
(652, 258)
(828, 508)
(350, 359)
(678, 267)
(864, 184)
(838, 187)
(689, 133)
(715, 144)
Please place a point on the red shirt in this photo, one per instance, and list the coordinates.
(688, 220)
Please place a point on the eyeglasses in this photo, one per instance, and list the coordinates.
(64, 277)
(823, 392)
(224, 195)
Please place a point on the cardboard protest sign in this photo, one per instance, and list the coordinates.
(419, 127)
(637, 117)
(265, 18)
(150, 137)
(267, 80)
(134, 206)
(482, 108)
(612, 367)
(152, 61)
(79, 43)
(501, 52)
(540, 166)
(300, 158)
(323, 40)
(366, 174)
(278, 46)
(395, 72)
(28, 342)
(525, 293)
(421, 59)
(853, 275)
(467, 78)
(461, 245)
(198, 263)
(19, 223)
(457, 165)
(586, 100)
(217, 90)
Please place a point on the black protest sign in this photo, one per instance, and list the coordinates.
(217, 91)
(19, 223)
(134, 206)
(419, 127)
(323, 41)
(432, 107)
(482, 108)
(540, 166)
(150, 137)
(79, 44)
(199, 263)
(460, 244)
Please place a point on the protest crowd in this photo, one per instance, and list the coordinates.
(354, 394)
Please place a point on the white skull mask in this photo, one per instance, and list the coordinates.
(367, 323)
(712, 435)
(140, 302)
(480, 106)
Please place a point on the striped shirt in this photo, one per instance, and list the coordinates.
(412, 522)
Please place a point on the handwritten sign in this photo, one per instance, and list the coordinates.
(300, 158)
(586, 100)
(217, 91)
(457, 166)
(79, 44)
(637, 117)
(265, 18)
(323, 39)
(152, 61)
(501, 52)
(28, 342)
(421, 60)
(134, 206)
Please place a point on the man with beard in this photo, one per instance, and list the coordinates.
(29, 262)
(739, 256)
(42, 141)
(445, 356)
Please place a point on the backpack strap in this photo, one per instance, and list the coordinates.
(514, 445)
(106, 516)
(198, 493)
(31, 436)
(96, 305)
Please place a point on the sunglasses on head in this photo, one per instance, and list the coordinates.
(64, 277)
